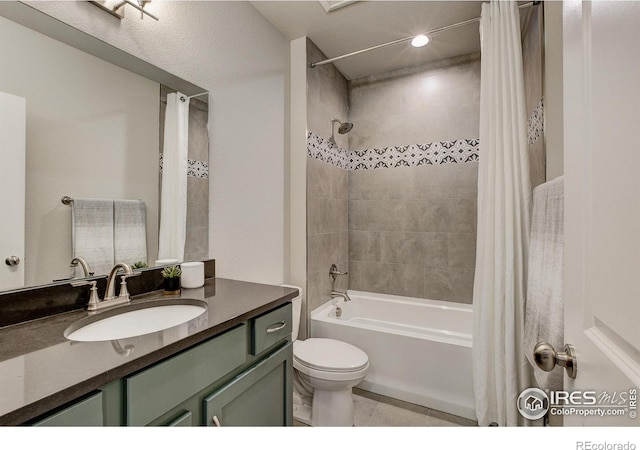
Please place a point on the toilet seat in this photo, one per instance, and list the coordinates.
(329, 355)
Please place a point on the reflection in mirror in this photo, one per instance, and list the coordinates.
(92, 132)
(107, 231)
(196, 245)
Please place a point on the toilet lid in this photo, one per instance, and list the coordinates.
(330, 355)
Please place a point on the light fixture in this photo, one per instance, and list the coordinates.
(420, 40)
(332, 5)
(116, 7)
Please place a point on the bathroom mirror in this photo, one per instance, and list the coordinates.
(93, 131)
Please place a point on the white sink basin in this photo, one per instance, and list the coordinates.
(135, 320)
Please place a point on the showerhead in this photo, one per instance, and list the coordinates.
(344, 128)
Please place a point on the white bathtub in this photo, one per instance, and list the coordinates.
(419, 350)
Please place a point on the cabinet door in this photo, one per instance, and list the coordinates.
(261, 396)
(158, 389)
(84, 413)
(184, 419)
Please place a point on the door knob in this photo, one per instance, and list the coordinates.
(12, 261)
(547, 358)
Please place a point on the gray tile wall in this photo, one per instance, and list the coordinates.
(532, 53)
(327, 97)
(328, 233)
(429, 103)
(412, 229)
(327, 185)
(197, 240)
(404, 231)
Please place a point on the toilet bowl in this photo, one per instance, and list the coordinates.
(325, 370)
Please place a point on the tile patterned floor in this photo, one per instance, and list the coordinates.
(373, 410)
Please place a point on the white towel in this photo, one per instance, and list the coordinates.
(92, 233)
(544, 318)
(129, 231)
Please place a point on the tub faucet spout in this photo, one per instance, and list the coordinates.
(344, 295)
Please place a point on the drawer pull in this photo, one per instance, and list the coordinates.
(276, 326)
(215, 421)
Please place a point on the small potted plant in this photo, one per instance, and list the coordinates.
(171, 275)
(140, 265)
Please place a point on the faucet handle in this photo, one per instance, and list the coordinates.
(124, 292)
(334, 272)
(94, 298)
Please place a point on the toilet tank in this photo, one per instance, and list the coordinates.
(297, 310)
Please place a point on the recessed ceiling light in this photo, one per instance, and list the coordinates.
(420, 40)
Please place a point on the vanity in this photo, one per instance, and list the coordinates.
(231, 365)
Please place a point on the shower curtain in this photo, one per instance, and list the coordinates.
(500, 369)
(173, 197)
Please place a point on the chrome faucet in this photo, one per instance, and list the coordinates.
(334, 273)
(85, 267)
(344, 295)
(110, 299)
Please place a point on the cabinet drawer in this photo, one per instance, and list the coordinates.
(270, 328)
(156, 390)
(85, 413)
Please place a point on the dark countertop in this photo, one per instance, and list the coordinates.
(40, 369)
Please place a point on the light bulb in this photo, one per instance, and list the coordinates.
(420, 40)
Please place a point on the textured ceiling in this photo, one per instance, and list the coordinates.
(368, 23)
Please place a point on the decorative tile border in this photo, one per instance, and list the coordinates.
(324, 150)
(198, 169)
(458, 151)
(434, 153)
(195, 168)
(535, 124)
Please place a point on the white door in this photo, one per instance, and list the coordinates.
(602, 203)
(12, 189)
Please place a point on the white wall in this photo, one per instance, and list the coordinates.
(234, 52)
(298, 164)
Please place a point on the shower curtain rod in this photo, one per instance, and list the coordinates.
(185, 97)
(397, 41)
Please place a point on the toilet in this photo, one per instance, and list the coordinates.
(325, 370)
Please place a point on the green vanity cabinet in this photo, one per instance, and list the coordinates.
(259, 393)
(182, 420)
(103, 407)
(242, 376)
(86, 412)
(270, 328)
(156, 390)
(260, 396)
